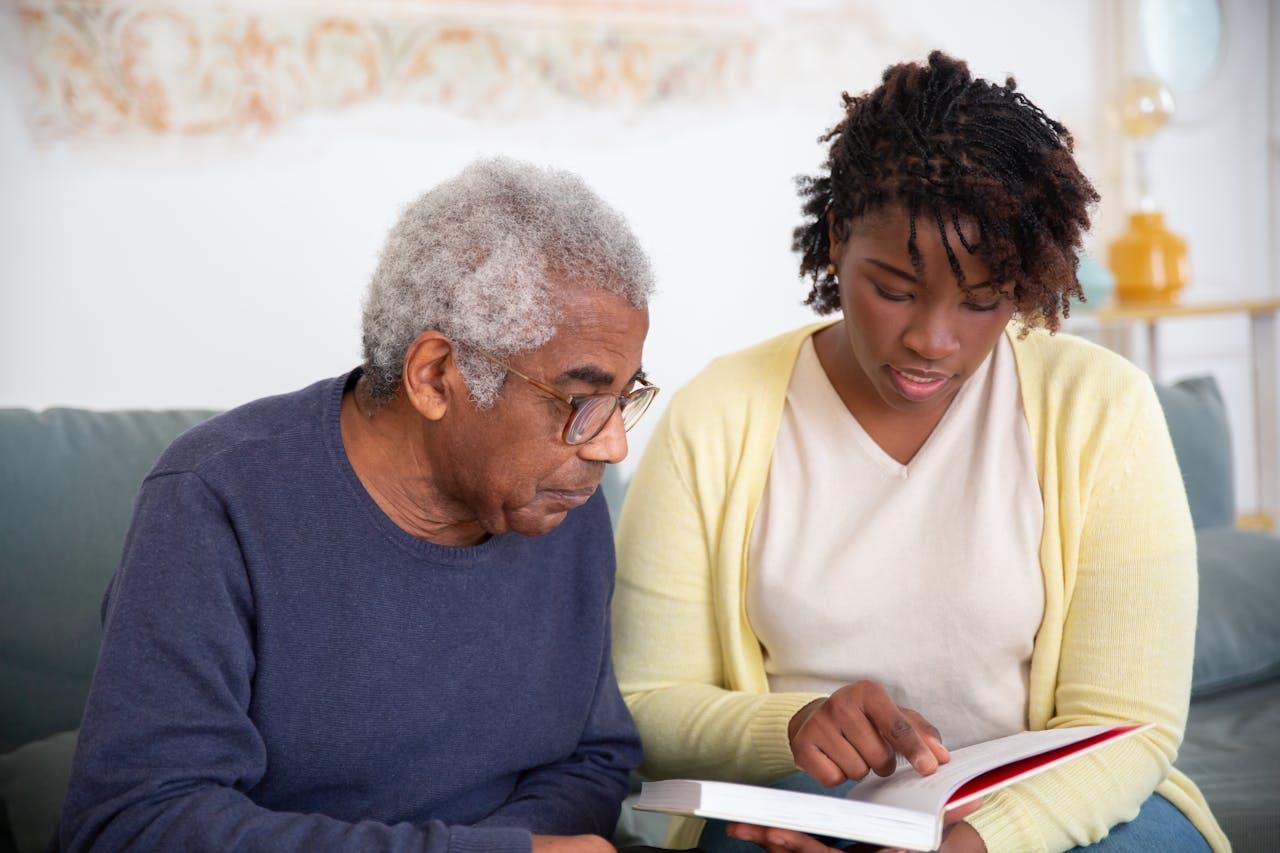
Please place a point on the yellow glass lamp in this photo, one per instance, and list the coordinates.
(1149, 262)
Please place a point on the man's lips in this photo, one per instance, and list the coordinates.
(571, 497)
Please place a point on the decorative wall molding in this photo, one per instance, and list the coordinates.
(148, 67)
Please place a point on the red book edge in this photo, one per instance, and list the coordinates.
(1014, 769)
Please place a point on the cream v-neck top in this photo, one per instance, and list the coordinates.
(924, 577)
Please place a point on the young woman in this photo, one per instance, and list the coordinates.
(927, 523)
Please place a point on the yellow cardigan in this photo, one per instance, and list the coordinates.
(1117, 553)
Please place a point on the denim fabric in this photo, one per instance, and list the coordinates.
(1159, 826)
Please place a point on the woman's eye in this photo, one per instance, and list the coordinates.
(892, 297)
(983, 306)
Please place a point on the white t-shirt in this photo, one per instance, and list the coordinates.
(924, 577)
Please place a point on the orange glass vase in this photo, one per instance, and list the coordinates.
(1149, 261)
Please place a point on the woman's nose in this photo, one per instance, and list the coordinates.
(932, 334)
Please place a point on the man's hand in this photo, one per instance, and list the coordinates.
(957, 837)
(571, 844)
(859, 729)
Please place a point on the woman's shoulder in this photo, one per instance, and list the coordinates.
(1060, 364)
(742, 374)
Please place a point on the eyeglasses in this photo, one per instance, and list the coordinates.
(591, 412)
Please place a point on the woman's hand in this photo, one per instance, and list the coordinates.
(859, 729)
(957, 837)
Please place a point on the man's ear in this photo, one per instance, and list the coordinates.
(427, 378)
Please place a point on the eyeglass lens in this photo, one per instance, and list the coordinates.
(593, 414)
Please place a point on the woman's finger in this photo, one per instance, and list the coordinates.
(811, 757)
(932, 736)
(899, 731)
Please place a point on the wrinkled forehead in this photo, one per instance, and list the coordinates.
(598, 336)
(575, 302)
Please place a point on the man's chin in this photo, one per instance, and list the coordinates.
(547, 510)
(532, 523)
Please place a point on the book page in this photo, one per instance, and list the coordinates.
(902, 810)
(908, 789)
(819, 814)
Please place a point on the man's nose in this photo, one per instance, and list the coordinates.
(610, 444)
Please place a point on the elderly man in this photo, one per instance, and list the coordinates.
(373, 614)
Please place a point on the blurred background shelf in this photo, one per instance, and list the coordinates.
(1133, 330)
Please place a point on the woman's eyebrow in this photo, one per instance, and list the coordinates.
(903, 274)
(890, 268)
(979, 286)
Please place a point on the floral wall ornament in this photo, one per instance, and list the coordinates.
(148, 67)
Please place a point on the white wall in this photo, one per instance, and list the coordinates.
(1209, 170)
(175, 271)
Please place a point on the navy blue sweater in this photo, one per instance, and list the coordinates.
(284, 668)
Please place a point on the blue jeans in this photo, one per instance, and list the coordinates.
(1158, 827)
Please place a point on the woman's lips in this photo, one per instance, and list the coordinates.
(917, 385)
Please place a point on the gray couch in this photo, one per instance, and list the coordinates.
(67, 481)
(1232, 744)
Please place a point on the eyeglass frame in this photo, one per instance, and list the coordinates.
(574, 400)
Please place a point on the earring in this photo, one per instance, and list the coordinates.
(831, 269)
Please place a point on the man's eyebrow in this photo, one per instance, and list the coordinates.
(588, 374)
(594, 376)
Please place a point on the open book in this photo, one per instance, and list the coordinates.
(904, 809)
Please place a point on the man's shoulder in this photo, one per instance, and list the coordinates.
(249, 432)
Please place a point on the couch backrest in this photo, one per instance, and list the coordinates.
(1201, 434)
(68, 478)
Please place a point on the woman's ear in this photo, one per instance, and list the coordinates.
(427, 368)
(835, 238)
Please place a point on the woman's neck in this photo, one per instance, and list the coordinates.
(898, 433)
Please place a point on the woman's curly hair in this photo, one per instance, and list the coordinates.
(949, 145)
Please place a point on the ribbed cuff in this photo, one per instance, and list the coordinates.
(1003, 826)
(771, 749)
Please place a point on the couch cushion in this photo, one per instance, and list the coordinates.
(1201, 436)
(1232, 753)
(67, 482)
(1238, 630)
(33, 784)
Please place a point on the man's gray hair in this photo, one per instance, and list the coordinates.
(475, 259)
